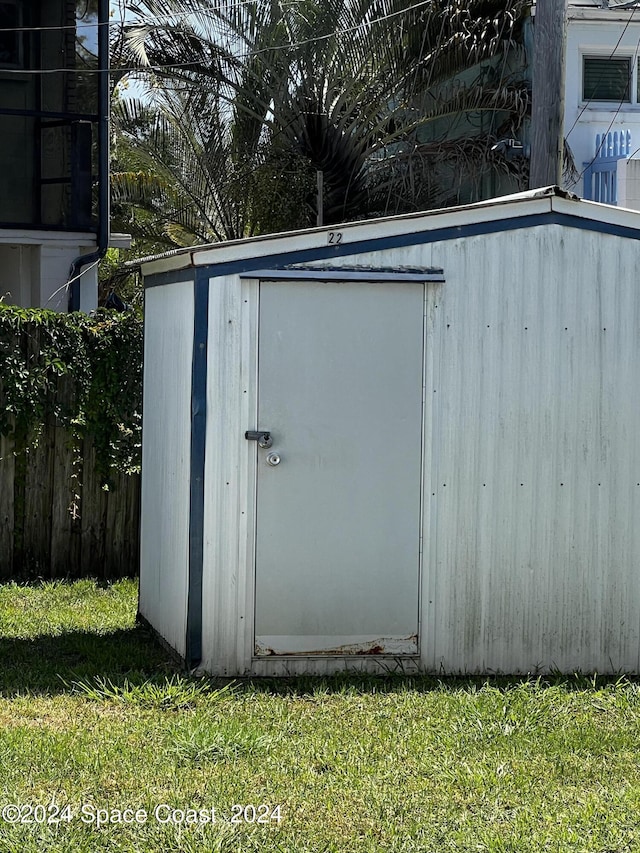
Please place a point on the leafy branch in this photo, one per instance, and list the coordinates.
(83, 372)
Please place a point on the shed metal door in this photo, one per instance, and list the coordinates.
(340, 386)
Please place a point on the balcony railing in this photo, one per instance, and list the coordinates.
(600, 174)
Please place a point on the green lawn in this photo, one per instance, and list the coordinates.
(94, 714)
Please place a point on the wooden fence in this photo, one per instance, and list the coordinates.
(56, 520)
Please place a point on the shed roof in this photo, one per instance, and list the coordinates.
(545, 206)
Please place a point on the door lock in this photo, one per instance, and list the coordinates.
(263, 437)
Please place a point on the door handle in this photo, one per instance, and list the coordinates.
(263, 437)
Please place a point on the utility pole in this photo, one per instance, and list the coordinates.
(547, 114)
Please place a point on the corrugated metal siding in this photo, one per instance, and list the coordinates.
(533, 554)
(537, 411)
(228, 486)
(165, 460)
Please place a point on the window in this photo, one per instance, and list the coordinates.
(10, 42)
(605, 79)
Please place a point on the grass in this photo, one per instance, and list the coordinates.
(93, 712)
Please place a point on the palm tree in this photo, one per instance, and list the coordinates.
(397, 102)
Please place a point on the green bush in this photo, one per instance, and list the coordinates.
(85, 372)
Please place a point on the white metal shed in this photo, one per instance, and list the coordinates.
(451, 407)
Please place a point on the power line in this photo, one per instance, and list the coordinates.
(137, 21)
(611, 123)
(611, 55)
(239, 56)
(75, 26)
(336, 32)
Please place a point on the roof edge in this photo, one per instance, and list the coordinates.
(176, 259)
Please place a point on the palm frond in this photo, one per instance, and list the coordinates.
(248, 100)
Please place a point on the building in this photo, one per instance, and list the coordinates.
(407, 444)
(53, 132)
(602, 99)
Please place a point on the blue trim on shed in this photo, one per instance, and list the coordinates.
(393, 241)
(183, 275)
(198, 441)
(343, 274)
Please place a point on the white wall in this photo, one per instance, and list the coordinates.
(166, 445)
(598, 32)
(19, 273)
(536, 430)
(227, 590)
(628, 181)
(34, 269)
(55, 261)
